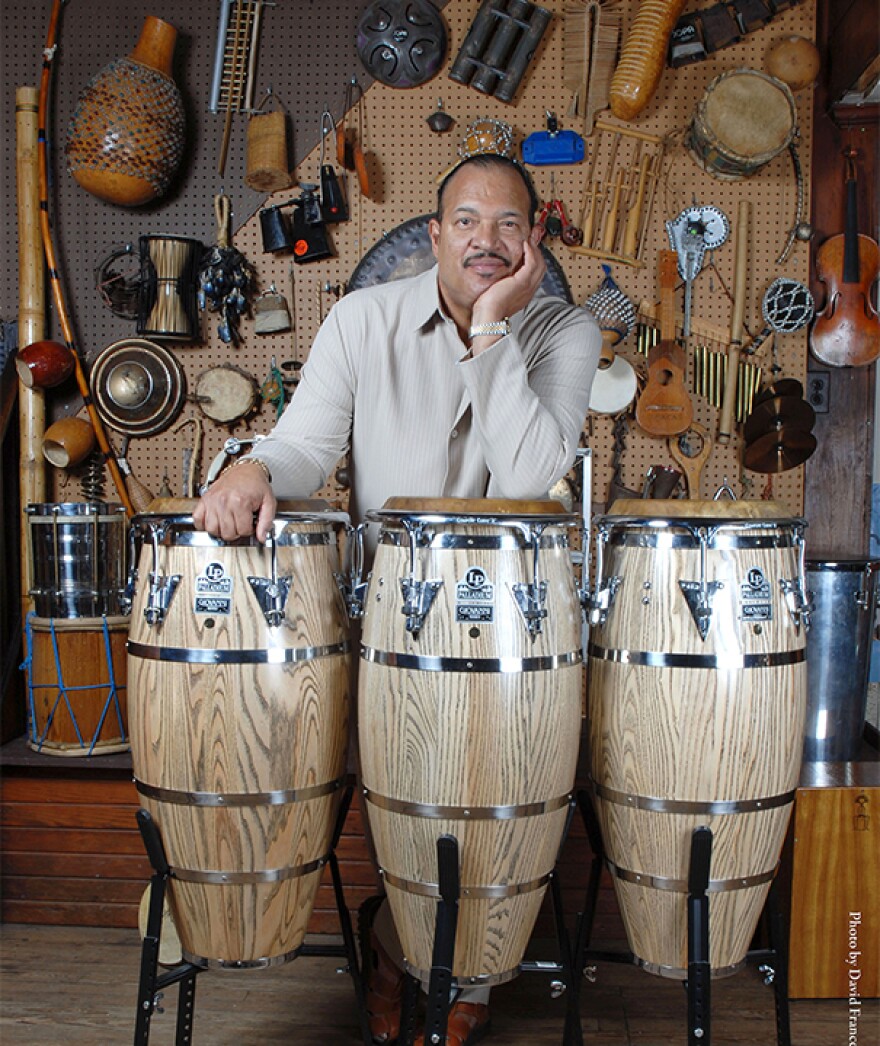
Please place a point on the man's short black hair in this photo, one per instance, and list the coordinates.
(489, 160)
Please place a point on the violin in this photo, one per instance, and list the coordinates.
(664, 407)
(846, 333)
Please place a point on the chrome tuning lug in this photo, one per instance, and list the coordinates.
(418, 597)
(272, 592)
(796, 602)
(161, 587)
(350, 581)
(603, 599)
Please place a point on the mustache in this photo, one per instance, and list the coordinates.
(480, 255)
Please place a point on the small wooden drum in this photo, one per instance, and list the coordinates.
(743, 121)
(697, 695)
(239, 679)
(469, 717)
(76, 673)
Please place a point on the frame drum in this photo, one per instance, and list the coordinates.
(697, 695)
(743, 121)
(469, 717)
(239, 683)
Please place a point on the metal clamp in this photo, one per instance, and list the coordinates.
(271, 592)
(532, 596)
(350, 581)
(599, 605)
(418, 595)
(700, 595)
(162, 588)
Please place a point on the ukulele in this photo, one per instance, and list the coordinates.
(846, 333)
(664, 407)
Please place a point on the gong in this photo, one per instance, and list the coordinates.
(406, 251)
(139, 387)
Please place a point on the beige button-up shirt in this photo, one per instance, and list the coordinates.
(386, 379)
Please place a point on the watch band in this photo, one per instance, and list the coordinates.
(497, 327)
(247, 459)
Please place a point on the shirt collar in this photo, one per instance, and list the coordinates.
(423, 299)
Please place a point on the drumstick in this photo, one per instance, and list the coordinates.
(725, 422)
(631, 229)
(610, 231)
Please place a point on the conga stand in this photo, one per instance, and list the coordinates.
(440, 984)
(152, 983)
(774, 959)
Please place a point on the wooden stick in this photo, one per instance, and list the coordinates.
(52, 264)
(728, 404)
(610, 232)
(31, 318)
(631, 229)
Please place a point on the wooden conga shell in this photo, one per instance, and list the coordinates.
(239, 733)
(686, 731)
(471, 728)
(90, 716)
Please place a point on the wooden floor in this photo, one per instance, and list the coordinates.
(77, 986)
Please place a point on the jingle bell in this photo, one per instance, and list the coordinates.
(271, 313)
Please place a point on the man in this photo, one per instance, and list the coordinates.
(464, 381)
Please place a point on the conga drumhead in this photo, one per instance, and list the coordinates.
(472, 507)
(186, 506)
(685, 508)
(614, 388)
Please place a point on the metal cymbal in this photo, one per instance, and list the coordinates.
(776, 412)
(779, 450)
(783, 387)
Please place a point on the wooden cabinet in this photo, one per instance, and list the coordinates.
(835, 889)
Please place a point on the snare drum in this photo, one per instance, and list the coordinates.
(239, 684)
(697, 696)
(469, 717)
(744, 120)
(77, 555)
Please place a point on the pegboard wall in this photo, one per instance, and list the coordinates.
(307, 54)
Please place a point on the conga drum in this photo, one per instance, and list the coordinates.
(696, 697)
(469, 714)
(75, 640)
(239, 690)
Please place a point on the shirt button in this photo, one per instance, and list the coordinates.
(454, 433)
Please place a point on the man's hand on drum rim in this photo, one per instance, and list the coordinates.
(232, 504)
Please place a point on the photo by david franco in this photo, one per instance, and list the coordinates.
(853, 974)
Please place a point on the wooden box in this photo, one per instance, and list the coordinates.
(835, 902)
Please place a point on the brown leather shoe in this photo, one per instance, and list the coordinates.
(468, 1023)
(383, 979)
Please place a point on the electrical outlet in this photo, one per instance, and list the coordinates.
(819, 390)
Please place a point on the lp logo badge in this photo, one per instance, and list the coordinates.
(755, 598)
(474, 597)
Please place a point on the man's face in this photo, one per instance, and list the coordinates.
(479, 239)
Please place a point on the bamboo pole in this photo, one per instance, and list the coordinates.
(31, 318)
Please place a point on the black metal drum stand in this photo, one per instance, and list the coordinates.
(773, 959)
(441, 983)
(152, 983)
